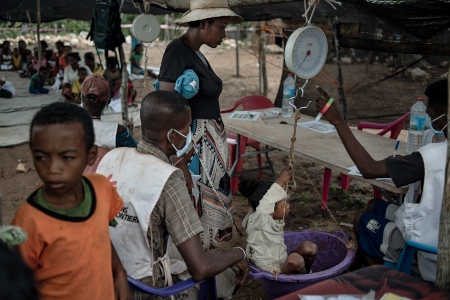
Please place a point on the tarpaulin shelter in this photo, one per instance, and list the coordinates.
(407, 26)
(413, 18)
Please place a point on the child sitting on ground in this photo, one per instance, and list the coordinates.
(37, 82)
(17, 59)
(63, 60)
(6, 57)
(66, 219)
(264, 225)
(76, 87)
(131, 93)
(35, 59)
(6, 89)
(28, 68)
(112, 72)
(136, 60)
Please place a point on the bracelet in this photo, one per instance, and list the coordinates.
(325, 108)
(245, 254)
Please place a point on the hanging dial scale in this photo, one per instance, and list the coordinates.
(306, 51)
(145, 28)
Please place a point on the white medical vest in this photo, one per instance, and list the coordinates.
(419, 222)
(139, 180)
(105, 134)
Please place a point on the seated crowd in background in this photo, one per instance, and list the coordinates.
(61, 68)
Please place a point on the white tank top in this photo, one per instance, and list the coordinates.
(139, 180)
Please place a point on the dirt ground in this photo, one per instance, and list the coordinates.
(365, 99)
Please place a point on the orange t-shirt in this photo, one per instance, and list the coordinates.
(71, 256)
(62, 62)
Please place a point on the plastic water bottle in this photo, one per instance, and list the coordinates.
(288, 92)
(416, 126)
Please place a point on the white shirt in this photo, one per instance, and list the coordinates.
(70, 75)
(140, 188)
(9, 87)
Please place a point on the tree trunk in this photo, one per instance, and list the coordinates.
(443, 258)
(334, 22)
(262, 63)
(38, 29)
(238, 31)
(123, 90)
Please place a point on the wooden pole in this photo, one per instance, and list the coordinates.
(38, 27)
(334, 22)
(123, 90)
(166, 31)
(259, 61)
(443, 257)
(238, 31)
(1, 208)
(262, 63)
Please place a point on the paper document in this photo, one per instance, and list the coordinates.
(354, 171)
(245, 115)
(317, 126)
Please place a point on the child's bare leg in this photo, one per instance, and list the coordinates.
(308, 251)
(294, 264)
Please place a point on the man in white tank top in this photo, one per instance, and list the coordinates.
(382, 230)
(95, 97)
(157, 203)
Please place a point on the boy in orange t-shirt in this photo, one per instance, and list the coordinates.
(66, 220)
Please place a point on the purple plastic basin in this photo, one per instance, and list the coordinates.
(332, 259)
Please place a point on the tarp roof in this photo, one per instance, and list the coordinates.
(416, 18)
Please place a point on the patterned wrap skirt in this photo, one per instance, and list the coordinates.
(214, 208)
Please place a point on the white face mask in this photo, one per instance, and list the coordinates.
(185, 149)
(428, 124)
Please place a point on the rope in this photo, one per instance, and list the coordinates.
(312, 4)
(292, 160)
(136, 5)
(349, 244)
(147, 5)
(145, 63)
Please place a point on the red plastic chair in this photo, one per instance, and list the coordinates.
(394, 127)
(248, 103)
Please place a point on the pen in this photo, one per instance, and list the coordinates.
(396, 147)
(324, 109)
(319, 115)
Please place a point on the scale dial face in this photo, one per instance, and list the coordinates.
(145, 28)
(306, 51)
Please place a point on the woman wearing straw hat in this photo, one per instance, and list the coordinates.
(207, 20)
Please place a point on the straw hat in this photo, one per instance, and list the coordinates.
(205, 9)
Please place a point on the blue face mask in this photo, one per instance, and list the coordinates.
(185, 149)
(429, 124)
